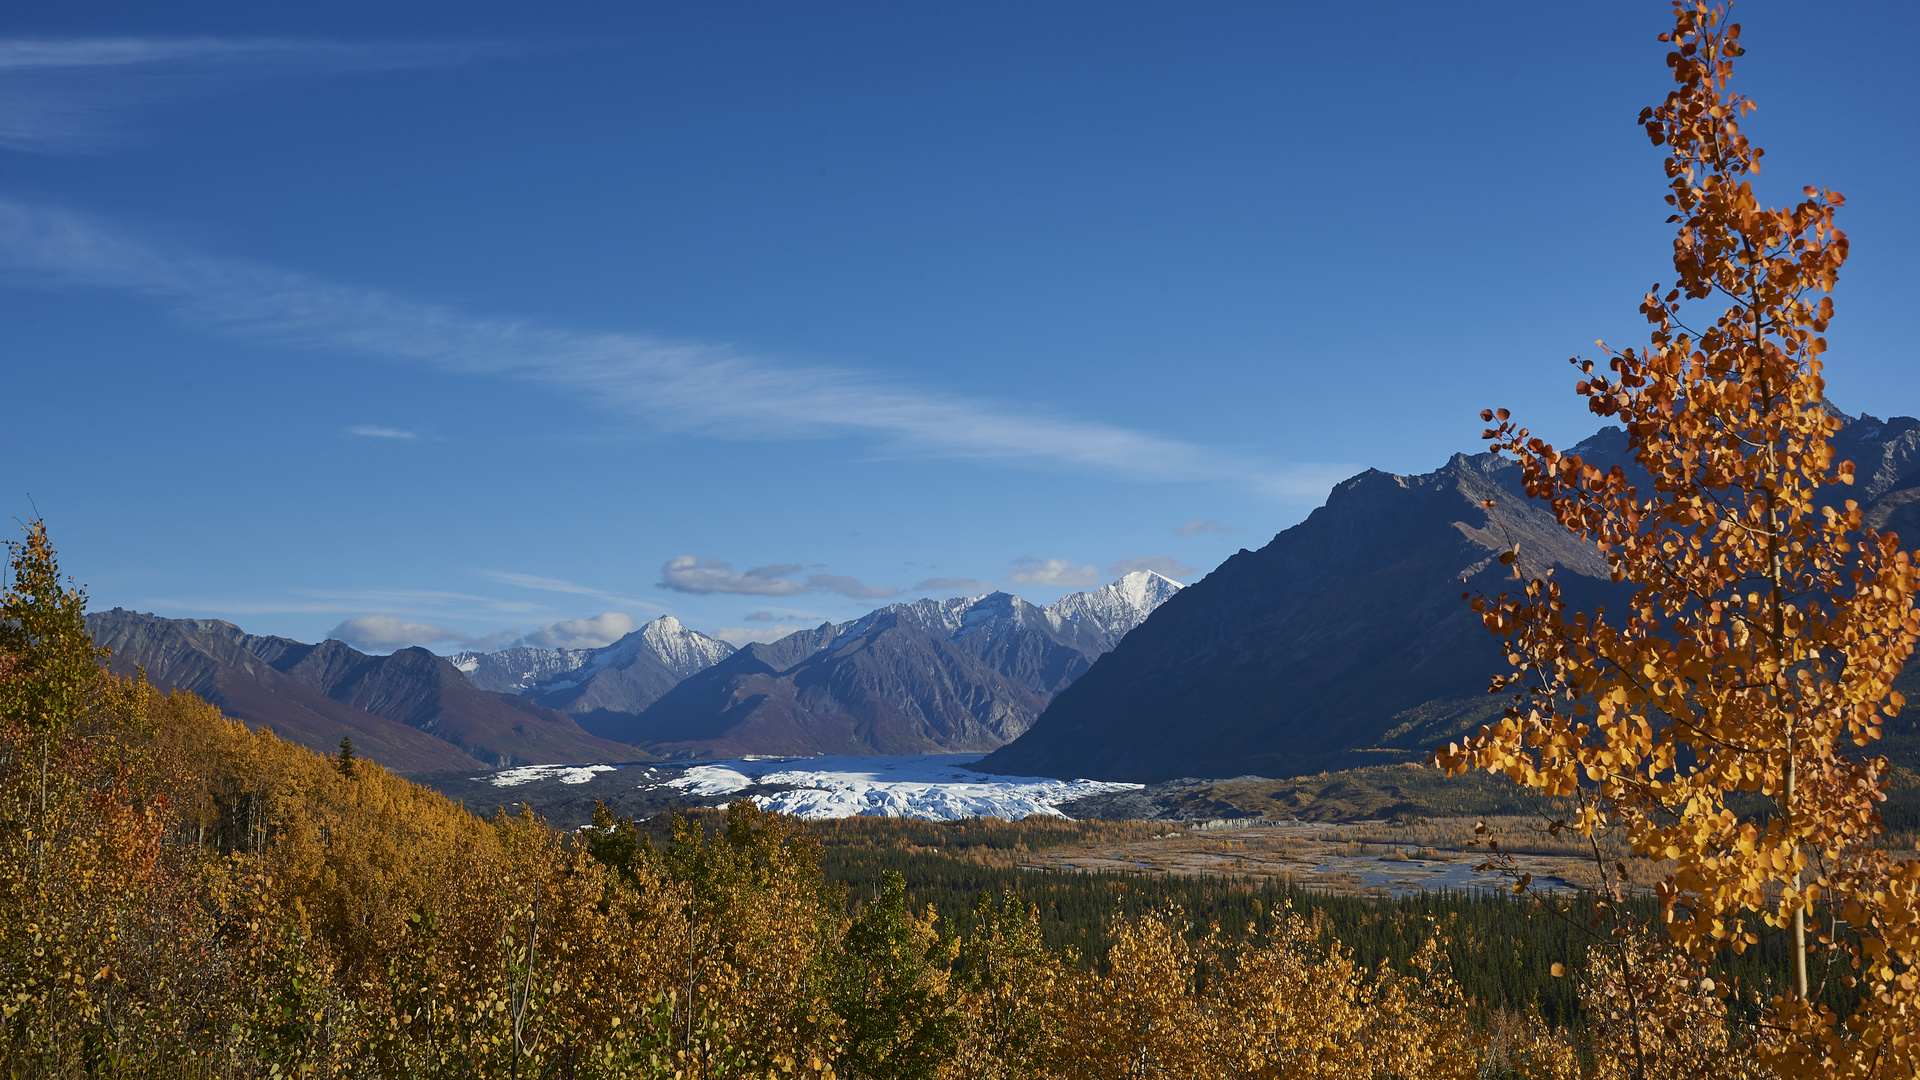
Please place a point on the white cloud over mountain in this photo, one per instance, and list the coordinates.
(380, 633)
(738, 636)
(590, 632)
(692, 574)
(954, 586)
(386, 633)
(1057, 573)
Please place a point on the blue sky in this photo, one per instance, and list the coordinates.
(456, 323)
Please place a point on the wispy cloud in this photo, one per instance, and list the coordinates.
(710, 390)
(692, 574)
(738, 636)
(408, 603)
(1164, 565)
(586, 633)
(954, 586)
(1195, 526)
(385, 633)
(372, 431)
(1055, 573)
(852, 588)
(76, 95)
(559, 585)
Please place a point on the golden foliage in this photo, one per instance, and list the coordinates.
(193, 898)
(1766, 623)
(1295, 1006)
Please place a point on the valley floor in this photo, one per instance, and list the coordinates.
(1256, 835)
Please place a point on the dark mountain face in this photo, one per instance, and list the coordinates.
(411, 711)
(1345, 641)
(925, 677)
(1886, 456)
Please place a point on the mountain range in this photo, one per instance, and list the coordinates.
(924, 677)
(1344, 641)
(928, 676)
(617, 680)
(411, 711)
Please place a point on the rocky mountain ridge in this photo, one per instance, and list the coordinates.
(1344, 641)
(968, 673)
(630, 673)
(410, 711)
(520, 668)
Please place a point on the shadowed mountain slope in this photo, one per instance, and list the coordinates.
(411, 711)
(1345, 641)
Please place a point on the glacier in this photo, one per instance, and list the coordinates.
(932, 787)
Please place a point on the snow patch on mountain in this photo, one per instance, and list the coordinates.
(682, 650)
(1116, 608)
(516, 670)
(525, 670)
(1110, 610)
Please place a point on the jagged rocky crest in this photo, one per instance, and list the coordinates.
(410, 711)
(930, 675)
(1344, 641)
(968, 673)
(664, 652)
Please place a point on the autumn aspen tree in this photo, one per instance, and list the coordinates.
(1763, 623)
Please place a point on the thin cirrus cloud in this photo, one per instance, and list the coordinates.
(704, 576)
(955, 586)
(382, 633)
(1195, 527)
(407, 603)
(691, 388)
(1053, 573)
(81, 95)
(375, 431)
(561, 585)
(1165, 565)
(738, 636)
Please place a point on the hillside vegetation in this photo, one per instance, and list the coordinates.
(182, 896)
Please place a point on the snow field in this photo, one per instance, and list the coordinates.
(933, 787)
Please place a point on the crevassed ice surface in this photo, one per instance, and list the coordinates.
(527, 774)
(934, 787)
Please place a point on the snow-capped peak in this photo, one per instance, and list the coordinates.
(1109, 611)
(523, 669)
(1119, 606)
(680, 649)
